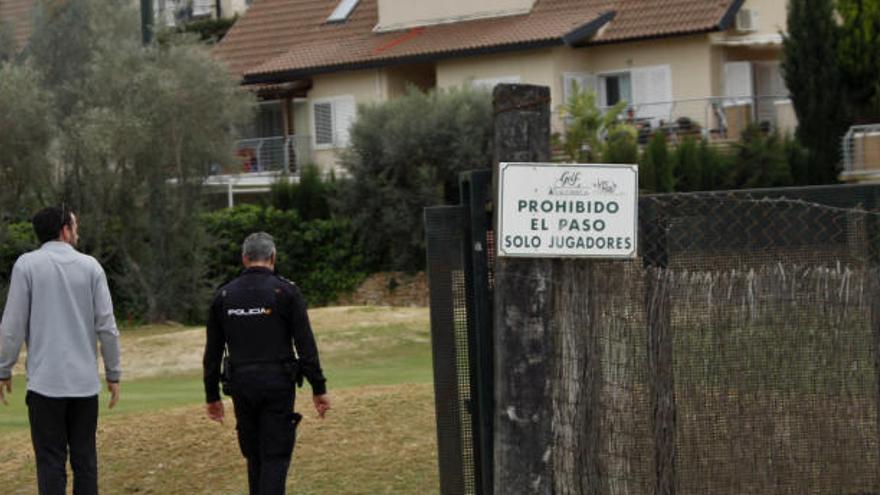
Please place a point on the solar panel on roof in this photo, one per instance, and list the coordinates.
(342, 11)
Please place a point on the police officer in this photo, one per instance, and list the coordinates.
(259, 319)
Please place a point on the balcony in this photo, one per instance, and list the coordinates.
(276, 154)
(260, 163)
(861, 154)
(712, 118)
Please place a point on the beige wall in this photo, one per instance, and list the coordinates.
(399, 14)
(366, 86)
(532, 67)
(232, 7)
(771, 15)
(688, 57)
(690, 60)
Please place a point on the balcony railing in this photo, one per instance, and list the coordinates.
(713, 118)
(861, 152)
(272, 154)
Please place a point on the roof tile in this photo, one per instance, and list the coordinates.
(20, 15)
(286, 38)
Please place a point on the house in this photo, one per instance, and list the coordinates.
(174, 12)
(17, 15)
(707, 67)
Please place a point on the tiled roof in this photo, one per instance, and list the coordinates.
(20, 15)
(281, 39)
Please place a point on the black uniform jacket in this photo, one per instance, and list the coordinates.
(262, 318)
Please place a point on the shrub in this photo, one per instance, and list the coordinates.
(621, 146)
(760, 161)
(656, 169)
(319, 255)
(15, 240)
(310, 197)
(406, 154)
(592, 134)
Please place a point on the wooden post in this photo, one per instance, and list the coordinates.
(523, 340)
(546, 373)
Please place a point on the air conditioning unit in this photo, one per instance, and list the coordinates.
(747, 21)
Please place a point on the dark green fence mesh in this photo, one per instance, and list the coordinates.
(738, 354)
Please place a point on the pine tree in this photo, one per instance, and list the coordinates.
(816, 86)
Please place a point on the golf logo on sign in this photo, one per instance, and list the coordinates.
(578, 210)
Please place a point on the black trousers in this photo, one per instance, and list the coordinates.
(266, 426)
(59, 424)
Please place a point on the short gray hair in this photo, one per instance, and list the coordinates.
(258, 246)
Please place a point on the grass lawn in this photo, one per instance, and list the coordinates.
(380, 437)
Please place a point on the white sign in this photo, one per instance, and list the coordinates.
(560, 210)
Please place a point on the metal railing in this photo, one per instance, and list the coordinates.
(861, 150)
(713, 117)
(273, 154)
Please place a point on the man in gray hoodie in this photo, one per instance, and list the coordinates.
(59, 304)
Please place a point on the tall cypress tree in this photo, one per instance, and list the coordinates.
(858, 54)
(816, 85)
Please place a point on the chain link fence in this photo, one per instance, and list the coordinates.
(738, 355)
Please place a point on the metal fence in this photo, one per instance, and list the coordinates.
(739, 354)
(273, 154)
(861, 151)
(714, 118)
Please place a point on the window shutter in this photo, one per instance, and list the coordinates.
(202, 8)
(584, 81)
(652, 92)
(738, 83)
(323, 123)
(344, 111)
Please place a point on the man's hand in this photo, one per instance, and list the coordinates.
(215, 411)
(113, 388)
(322, 404)
(5, 384)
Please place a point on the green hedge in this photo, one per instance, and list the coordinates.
(15, 240)
(319, 255)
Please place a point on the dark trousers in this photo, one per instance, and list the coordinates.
(56, 425)
(266, 426)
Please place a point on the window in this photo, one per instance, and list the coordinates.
(342, 11)
(738, 83)
(647, 89)
(332, 119)
(615, 88)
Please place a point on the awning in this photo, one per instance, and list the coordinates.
(751, 41)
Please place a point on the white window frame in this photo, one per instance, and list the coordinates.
(340, 136)
(739, 83)
(655, 110)
(602, 89)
